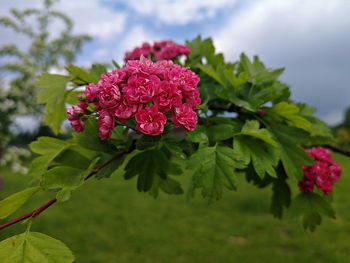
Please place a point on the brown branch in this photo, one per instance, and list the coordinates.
(49, 203)
(338, 150)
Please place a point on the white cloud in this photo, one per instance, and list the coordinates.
(94, 18)
(134, 37)
(307, 37)
(179, 12)
(90, 17)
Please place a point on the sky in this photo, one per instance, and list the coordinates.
(309, 38)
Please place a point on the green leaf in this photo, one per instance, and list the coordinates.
(220, 132)
(263, 156)
(81, 77)
(213, 170)
(258, 147)
(311, 207)
(49, 148)
(203, 48)
(292, 154)
(252, 128)
(12, 203)
(290, 113)
(149, 164)
(168, 185)
(98, 69)
(34, 247)
(52, 93)
(281, 196)
(62, 177)
(198, 136)
(211, 72)
(89, 138)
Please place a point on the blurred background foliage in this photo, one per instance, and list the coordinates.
(20, 66)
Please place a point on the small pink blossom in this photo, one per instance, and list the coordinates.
(106, 122)
(73, 116)
(125, 111)
(169, 97)
(144, 50)
(140, 89)
(150, 121)
(323, 173)
(161, 50)
(185, 117)
(91, 92)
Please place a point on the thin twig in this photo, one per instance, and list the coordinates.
(49, 203)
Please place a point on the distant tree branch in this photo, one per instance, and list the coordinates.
(338, 150)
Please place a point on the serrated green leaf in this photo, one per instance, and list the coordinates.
(211, 72)
(89, 138)
(281, 196)
(263, 157)
(80, 76)
(52, 93)
(147, 165)
(213, 170)
(12, 203)
(49, 148)
(168, 186)
(34, 247)
(310, 207)
(290, 113)
(292, 154)
(252, 128)
(220, 132)
(62, 177)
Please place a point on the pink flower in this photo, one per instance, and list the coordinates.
(144, 50)
(150, 121)
(141, 89)
(109, 97)
(169, 97)
(91, 92)
(125, 111)
(109, 93)
(73, 116)
(165, 50)
(186, 79)
(192, 98)
(162, 50)
(323, 173)
(106, 124)
(185, 117)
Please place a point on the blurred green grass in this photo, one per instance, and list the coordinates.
(109, 221)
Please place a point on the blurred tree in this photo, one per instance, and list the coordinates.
(342, 131)
(21, 63)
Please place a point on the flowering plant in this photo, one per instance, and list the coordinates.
(153, 118)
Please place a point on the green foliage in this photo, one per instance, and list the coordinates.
(34, 247)
(10, 204)
(20, 67)
(153, 165)
(52, 93)
(214, 168)
(257, 146)
(311, 207)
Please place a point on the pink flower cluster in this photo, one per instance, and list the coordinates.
(323, 173)
(162, 50)
(150, 93)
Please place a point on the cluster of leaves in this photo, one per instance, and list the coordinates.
(247, 126)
